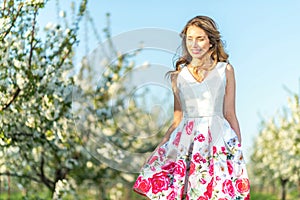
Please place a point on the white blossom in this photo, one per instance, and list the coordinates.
(17, 63)
(30, 122)
(49, 26)
(21, 81)
(61, 187)
(113, 88)
(276, 148)
(107, 132)
(62, 14)
(89, 164)
(67, 31)
(4, 22)
(33, 2)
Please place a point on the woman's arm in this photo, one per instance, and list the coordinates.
(229, 101)
(177, 110)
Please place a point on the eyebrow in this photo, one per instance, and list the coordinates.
(201, 36)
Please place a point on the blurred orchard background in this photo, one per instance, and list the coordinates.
(77, 122)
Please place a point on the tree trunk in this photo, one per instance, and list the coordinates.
(273, 188)
(283, 188)
(8, 187)
(102, 195)
(299, 187)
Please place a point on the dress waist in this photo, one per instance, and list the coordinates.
(203, 114)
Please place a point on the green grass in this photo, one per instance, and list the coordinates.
(12, 196)
(134, 196)
(19, 196)
(262, 196)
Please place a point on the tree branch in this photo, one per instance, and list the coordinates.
(17, 137)
(19, 176)
(4, 3)
(13, 22)
(50, 184)
(22, 134)
(32, 37)
(82, 9)
(17, 92)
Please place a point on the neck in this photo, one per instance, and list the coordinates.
(201, 63)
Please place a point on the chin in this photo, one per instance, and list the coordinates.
(197, 56)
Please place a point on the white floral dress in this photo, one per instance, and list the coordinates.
(202, 159)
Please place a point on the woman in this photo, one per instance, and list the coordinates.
(200, 156)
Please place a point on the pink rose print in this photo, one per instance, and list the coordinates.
(223, 150)
(229, 165)
(242, 185)
(169, 166)
(214, 150)
(159, 182)
(200, 138)
(189, 127)
(202, 198)
(142, 185)
(209, 189)
(182, 190)
(222, 199)
(209, 136)
(171, 196)
(228, 188)
(192, 167)
(187, 197)
(177, 138)
(247, 197)
(180, 168)
(153, 168)
(161, 151)
(198, 158)
(211, 169)
(202, 181)
(154, 158)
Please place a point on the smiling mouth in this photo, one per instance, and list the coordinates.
(195, 51)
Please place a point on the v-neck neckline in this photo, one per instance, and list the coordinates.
(204, 79)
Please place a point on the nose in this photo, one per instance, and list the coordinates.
(194, 43)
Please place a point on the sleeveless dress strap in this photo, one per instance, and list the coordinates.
(221, 67)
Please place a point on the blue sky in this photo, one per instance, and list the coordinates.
(262, 39)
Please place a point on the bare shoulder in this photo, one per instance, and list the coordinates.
(173, 77)
(229, 72)
(229, 68)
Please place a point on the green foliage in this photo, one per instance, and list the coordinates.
(48, 142)
(111, 129)
(276, 158)
(37, 140)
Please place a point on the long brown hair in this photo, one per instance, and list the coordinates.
(216, 52)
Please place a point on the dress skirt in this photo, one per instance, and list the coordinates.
(202, 160)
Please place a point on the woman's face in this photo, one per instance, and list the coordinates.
(197, 42)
